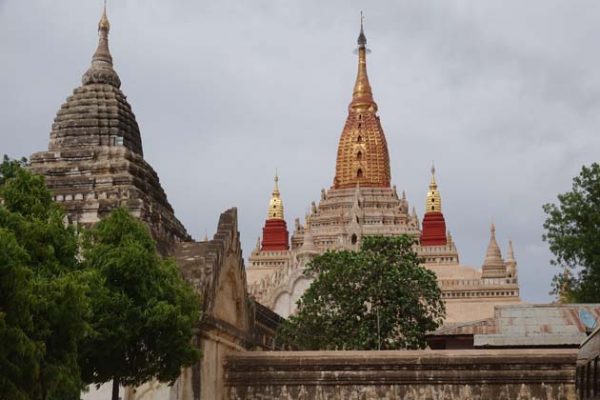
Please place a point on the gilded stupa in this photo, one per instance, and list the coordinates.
(363, 202)
(362, 157)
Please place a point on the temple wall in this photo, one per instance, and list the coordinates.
(541, 374)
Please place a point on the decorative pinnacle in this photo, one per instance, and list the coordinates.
(493, 265)
(275, 204)
(362, 95)
(101, 70)
(104, 24)
(433, 183)
(433, 202)
(276, 188)
(511, 252)
(362, 39)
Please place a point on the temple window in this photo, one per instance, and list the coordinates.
(359, 155)
(354, 238)
(359, 139)
(359, 173)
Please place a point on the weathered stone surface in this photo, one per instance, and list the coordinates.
(91, 182)
(95, 162)
(403, 375)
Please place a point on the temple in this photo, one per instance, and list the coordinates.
(95, 160)
(95, 163)
(362, 202)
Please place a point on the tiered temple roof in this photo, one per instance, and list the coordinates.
(95, 162)
(363, 157)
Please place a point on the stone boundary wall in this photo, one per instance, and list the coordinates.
(541, 374)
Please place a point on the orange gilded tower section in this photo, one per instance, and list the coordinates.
(362, 157)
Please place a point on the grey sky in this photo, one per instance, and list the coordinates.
(503, 95)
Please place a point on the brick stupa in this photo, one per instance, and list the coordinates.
(95, 161)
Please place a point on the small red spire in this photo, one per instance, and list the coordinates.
(275, 233)
(434, 229)
(434, 224)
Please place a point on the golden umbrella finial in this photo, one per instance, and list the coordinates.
(104, 24)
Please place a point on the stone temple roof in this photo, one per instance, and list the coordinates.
(97, 113)
(95, 162)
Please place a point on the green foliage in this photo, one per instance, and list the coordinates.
(143, 311)
(42, 297)
(573, 233)
(377, 298)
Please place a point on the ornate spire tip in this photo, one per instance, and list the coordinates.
(104, 24)
(362, 39)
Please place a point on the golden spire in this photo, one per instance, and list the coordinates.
(362, 156)
(433, 203)
(362, 95)
(564, 288)
(102, 70)
(275, 204)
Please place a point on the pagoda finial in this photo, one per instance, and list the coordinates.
(511, 252)
(493, 265)
(362, 39)
(362, 96)
(275, 204)
(101, 70)
(433, 202)
(104, 24)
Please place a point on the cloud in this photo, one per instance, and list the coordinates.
(501, 94)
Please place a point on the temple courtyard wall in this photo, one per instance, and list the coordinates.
(508, 374)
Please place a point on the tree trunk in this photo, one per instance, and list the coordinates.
(115, 391)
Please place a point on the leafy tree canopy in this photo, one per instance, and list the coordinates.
(144, 313)
(377, 298)
(572, 229)
(42, 292)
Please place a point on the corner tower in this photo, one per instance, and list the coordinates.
(275, 233)
(362, 157)
(95, 162)
(434, 224)
(493, 265)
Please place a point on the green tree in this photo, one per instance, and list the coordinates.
(42, 298)
(572, 229)
(377, 298)
(143, 311)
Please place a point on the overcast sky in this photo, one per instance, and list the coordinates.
(502, 95)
